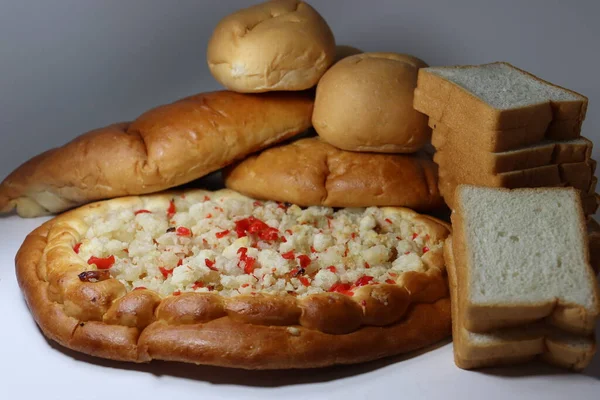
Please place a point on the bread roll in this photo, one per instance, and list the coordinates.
(364, 103)
(310, 172)
(276, 45)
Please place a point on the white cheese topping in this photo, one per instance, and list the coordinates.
(239, 246)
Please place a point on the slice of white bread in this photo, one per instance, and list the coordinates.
(497, 97)
(522, 255)
(499, 140)
(512, 345)
(447, 185)
(451, 167)
(487, 140)
(578, 175)
(536, 155)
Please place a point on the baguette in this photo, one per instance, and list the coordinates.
(522, 255)
(498, 97)
(512, 345)
(165, 147)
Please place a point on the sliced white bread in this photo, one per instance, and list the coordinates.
(451, 166)
(512, 345)
(487, 140)
(539, 154)
(522, 255)
(447, 185)
(497, 97)
(578, 175)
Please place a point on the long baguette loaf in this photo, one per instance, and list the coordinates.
(165, 147)
(522, 255)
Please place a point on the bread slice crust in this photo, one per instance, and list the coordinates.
(247, 331)
(531, 156)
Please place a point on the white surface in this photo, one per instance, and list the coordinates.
(32, 367)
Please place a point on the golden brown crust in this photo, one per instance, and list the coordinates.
(311, 172)
(274, 45)
(379, 115)
(167, 146)
(227, 343)
(245, 331)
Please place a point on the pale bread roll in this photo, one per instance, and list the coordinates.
(276, 45)
(365, 103)
(311, 172)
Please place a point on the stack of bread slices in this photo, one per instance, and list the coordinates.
(495, 125)
(520, 278)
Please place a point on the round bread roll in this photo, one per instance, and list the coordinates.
(365, 103)
(310, 172)
(276, 45)
(343, 51)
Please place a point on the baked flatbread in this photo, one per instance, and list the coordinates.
(221, 279)
(165, 147)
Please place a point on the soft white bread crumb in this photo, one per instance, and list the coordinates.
(504, 87)
(522, 256)
(512, 345)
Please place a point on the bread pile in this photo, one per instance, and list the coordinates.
(370, 149)
(520, 278)
(519, 262)
(498, 126)
(267, 55)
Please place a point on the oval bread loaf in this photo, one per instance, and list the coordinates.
(311, 172)
(276, 45)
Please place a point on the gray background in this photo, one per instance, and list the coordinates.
(68, 66)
